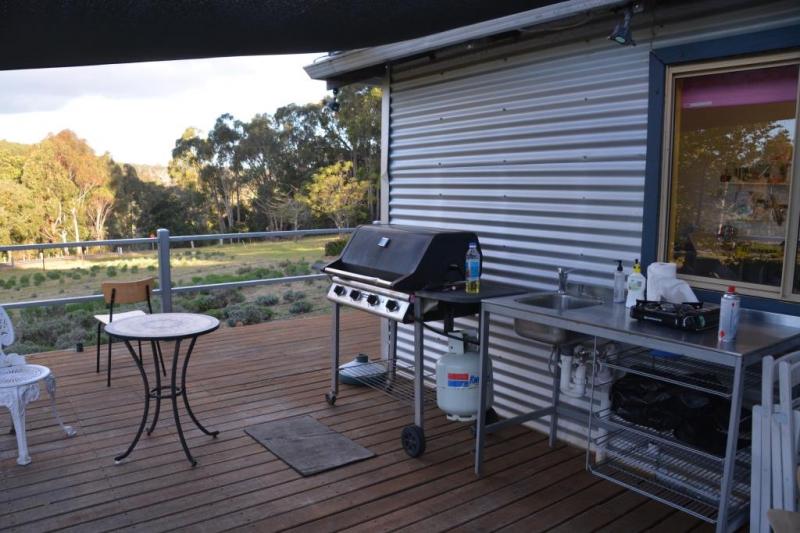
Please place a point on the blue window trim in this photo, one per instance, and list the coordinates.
(775, 40)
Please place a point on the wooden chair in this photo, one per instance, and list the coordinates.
(124, 292)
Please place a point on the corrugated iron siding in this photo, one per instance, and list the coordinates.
(539, 146)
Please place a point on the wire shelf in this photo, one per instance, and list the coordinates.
(398, 383)
(608, 419)
(671, 474)
(680, 370)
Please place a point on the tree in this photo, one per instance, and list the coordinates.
(336, 194)
(48, 182)
(20, 212)
(83, 168)
(219, 175)
(98, 209)
(357, 126)
(12, 160)
(184, 168)
(307, 141)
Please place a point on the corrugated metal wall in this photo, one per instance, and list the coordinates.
(538, 145)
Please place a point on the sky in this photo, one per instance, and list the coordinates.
(136, 111)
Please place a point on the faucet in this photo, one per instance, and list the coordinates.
(562, 279)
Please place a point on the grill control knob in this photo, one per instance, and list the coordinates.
(373, 299)
(338, 290)
(355, 294)
(391, 305)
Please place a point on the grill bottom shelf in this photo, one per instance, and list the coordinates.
(671, 475)
(399, 384)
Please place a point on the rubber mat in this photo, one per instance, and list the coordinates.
(307, 445)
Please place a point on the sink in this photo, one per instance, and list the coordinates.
(557, 302)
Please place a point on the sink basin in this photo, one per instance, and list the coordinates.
(557, 302)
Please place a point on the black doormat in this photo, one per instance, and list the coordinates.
(307, 445)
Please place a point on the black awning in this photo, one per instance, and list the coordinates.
(57, 33)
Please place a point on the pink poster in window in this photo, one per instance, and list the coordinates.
(744, 87)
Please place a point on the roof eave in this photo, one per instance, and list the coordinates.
(340, 65)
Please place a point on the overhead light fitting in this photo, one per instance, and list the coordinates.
(622, 31)
(333, 105)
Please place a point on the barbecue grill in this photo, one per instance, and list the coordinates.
(409, 275)
(383, 265)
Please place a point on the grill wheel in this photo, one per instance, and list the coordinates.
(413, 440)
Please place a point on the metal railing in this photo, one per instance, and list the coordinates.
(162, 240)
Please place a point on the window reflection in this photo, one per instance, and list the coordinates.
(732, 151)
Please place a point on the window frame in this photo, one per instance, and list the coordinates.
(775, 39)
(674, 72)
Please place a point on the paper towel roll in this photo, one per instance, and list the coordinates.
(677, 291)
(656, 274)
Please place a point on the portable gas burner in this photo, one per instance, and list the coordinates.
(688, 316)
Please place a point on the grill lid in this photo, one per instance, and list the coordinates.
(404, 258)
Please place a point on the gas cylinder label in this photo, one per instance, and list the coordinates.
(462, 380)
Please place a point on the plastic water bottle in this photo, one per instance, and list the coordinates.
(729, 307)
(472, 268)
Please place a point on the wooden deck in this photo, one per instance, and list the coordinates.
(243, 376)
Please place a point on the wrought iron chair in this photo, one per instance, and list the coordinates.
(124, 292)
(19, 385)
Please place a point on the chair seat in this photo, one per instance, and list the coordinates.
(105, 319)
(21, 375)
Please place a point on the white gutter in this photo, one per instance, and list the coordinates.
(354, 60)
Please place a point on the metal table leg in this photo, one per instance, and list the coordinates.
(174, 397)
(185, 394)
(140, 366)
(480, 424)
(157, 391)
(556, 392)
(413, 437)
(330, 397)
(730, 449)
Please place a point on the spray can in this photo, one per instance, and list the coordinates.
(729, 307)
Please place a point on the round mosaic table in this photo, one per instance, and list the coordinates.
(156, 328)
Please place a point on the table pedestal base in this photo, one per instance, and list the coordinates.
(159, 392)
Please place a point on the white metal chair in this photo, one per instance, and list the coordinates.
(776, 432)
(19, 385)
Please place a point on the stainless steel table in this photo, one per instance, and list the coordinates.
(158, 328)
(760, 334)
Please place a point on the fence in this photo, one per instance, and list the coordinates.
(163, 240)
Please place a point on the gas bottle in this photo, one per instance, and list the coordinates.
(457, 380)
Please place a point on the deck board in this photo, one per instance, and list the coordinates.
(244, 376)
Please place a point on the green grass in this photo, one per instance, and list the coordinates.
(71, 276)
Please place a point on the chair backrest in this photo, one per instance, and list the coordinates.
(6, 330)
(127, 292)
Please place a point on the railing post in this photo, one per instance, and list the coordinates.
(164, 271)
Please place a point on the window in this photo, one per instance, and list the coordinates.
(731, 194)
